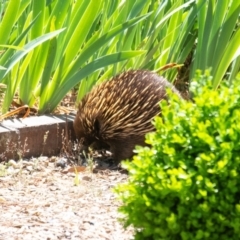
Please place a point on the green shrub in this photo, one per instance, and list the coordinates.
(187, 185)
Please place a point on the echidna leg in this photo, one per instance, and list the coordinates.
(123, 149)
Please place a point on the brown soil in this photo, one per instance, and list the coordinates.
(41, 201)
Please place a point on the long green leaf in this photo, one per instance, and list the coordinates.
(81, 30)
(228, 56)
(215, 30)
(46, 75)
(90, 49)
(49, 106)
(17, 42)
(38, 10)
(27, 48)
(8, 21)
(217, 21)
(34, 69)
(226, 31)
(235, 67)
(2, 68)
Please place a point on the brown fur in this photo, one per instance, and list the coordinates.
(119, 112)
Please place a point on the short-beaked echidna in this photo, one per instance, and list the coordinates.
(118, 112)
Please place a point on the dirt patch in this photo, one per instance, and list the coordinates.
(41, 201)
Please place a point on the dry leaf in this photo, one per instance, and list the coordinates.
(77, 169)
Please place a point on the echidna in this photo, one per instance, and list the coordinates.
(118, 112)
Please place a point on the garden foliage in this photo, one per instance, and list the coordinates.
(186, 184)
(48, 47)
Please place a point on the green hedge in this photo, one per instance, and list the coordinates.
(187, 185)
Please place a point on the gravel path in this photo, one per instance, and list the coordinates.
(40, 201)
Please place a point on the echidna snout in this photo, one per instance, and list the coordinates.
(118, 112)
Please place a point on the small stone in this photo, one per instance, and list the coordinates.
(29, 168)
(67, 234)
(45, 164)
(87, 178)
(61, 162)
(108, 153)
(53, 159)
(13, 163)
(2, 199)
(27, 163)
(43, 158)
(71, 174)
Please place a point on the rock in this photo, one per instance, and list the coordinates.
(13, 163)
(61, 162)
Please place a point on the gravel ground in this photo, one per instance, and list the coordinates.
(41, 201)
